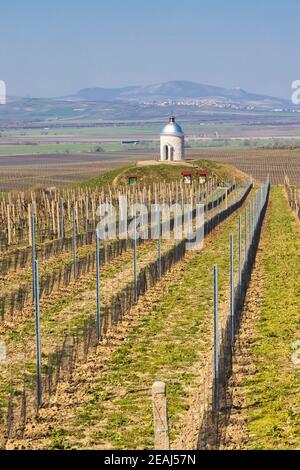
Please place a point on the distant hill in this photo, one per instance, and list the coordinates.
(189, 101)
(175, 90)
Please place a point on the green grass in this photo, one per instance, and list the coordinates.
(274, 391)
(245, 143)
(146, 174)
(107, 147)
(157, 173)
(60, 148)
(58, 442)
(105, 179)
(169, 344)
(139, 132)
(131, 131)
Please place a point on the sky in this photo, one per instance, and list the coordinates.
(56, 47)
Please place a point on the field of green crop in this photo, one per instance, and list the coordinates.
(61, 148)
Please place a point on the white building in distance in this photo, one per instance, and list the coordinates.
(172, 142)
(2, 92)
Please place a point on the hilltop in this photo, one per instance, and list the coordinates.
(189, 101)
(177, 90)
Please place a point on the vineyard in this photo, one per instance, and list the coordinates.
(149, 232)
(293, 195)
(89, 325)
(260, 163)
(24, 172)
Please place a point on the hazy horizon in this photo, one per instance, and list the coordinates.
(74, 92)
(56, 48)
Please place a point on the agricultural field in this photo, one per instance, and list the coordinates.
(116, 316)
(22, 172)
(149, 232)
(58, 156)
(258, 162)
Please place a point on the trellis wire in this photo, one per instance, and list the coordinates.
(14, 207)
(16, 300)
(216, 406)
(48, 244)
(68, 349)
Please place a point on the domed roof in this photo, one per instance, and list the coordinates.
(172, 128)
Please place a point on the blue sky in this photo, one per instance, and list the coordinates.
(53, 48)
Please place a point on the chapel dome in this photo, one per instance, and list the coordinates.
(172, 128)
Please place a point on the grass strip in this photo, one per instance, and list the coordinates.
(273, 392)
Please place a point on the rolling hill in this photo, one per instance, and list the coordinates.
(175, 90)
